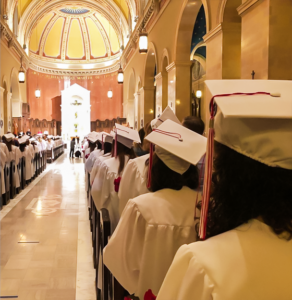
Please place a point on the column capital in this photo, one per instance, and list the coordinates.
(176, 64)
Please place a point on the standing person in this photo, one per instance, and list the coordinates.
(72, 147)
(25, 152)
(153, 226)
(247, 253)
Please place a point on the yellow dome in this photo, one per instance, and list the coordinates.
(74, 34)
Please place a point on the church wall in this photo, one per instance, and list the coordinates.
(48, 107)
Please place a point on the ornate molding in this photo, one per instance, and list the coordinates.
(213, 32)
(245, 6)
(7, 35)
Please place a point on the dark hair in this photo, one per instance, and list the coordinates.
(244, 189)
(8, 144)
(164, 178)
(107, 147)
(99, 145)
(194, 123)
(22, 147)
(142, 135)
(122, 151)
(91, 145)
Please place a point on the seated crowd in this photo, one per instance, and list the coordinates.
(197, 218)
(33, 150)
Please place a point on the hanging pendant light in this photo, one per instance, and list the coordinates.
(143, 41)
(21, 74)
(120, 75)
(110, 94)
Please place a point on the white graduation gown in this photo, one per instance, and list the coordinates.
(134, 181)
(89, 164)
(28, 157)
(3, 160)
(103, 189)
(15, 155)
(92, 158)
(248, 263)
(97, 164)
(31, 164)
(152, 228)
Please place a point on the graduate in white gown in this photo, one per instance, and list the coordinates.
(106, 184)
(3, 159)
(27, 154)
(134, 181)
(92, 141)
(14, 154)
(107, 154)
(96, 153)
(153, 226)
(247, 253)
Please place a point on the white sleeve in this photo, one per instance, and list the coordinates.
(132, 185)
(100, 191)
(94, 170)
(186, 279)
(123, 254)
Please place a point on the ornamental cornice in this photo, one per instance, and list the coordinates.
(245, 6)
(7, 35)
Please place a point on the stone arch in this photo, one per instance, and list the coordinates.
(164, 64)
(184, 31)
(231, 42)
(149, 87)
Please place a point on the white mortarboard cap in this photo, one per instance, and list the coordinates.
(127, 136)
(33, 140)
(93, 136)
(108, 139)
(257, 126)
(9, 136)
(177, 146)
(46, 132)
(167, 114)
(102, 135)
(23, 139)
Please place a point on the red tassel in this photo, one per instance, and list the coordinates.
(117, 182)
(150, 166)
(149, 295)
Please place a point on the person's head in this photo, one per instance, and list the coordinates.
(107, 147)
(146, 144)
(8, 142)
(99, 145)
(142, 135)
(243, 189)
(122, 151)
(22, 147)
(194, 123)
(91, 145)
(162, 177)
(73, 139)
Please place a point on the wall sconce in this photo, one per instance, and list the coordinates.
(110, 94)
(151, 111)
(199, 94)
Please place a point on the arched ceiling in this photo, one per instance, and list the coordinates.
(73, 34)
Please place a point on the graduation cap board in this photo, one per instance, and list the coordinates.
(93, 137)
(252, 117)
(23, 139)
(9, 136)
(167, 114)
(177, 146)
(125, 136)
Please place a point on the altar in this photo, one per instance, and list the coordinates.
(75, 111)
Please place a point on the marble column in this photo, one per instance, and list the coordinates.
(159, 84)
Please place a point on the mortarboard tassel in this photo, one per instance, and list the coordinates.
(209, 160)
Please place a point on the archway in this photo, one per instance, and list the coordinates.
(132, 106)
(231, 45)
(150, 85)
(164, 73)
(180, 72)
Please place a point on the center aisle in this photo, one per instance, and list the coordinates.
(46, 251)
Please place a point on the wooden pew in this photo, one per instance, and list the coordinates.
(12, 179)
(111, 289)
(50, 155)
(19, 170)
(6, 197)
(23, 174)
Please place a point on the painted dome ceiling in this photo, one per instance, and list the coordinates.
(74, 35)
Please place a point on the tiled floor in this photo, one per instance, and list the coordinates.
(52, 215)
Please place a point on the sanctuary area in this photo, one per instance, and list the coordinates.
(146, 149)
